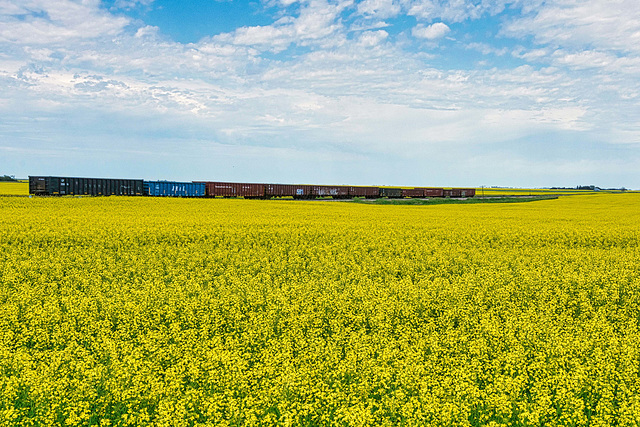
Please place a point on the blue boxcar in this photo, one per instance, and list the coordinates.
(173, 189)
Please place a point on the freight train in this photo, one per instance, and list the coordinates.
(63, 186)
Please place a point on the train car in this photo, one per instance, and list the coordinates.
(433, 192)
(459, 192)
(234, 189)
(412, 192)
(337, 192)
(368, 192)
(251, 191)
(288, 190)
(174, 189)
(74, 186)
(392, 193)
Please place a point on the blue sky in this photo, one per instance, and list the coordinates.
(400, 92)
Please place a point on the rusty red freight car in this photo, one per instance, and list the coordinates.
(433, 192)
(368, 192)
(288, 190)
(251, 191)
(234, 189)
(412, 192)
(337, 192)
(220, 189)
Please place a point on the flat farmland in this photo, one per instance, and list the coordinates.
(14, 188)
(185, 312)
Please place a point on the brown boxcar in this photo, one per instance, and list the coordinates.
(368, 192)
(234, 189)
(219, 189)
(468, 192)
(337, 192)
(288, 190)
(412, 192)
(251, 191)
(433, 192)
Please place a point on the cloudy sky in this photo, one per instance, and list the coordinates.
(401, 92)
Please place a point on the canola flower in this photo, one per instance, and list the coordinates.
(177, 312)
(11, 188)
(496, 191)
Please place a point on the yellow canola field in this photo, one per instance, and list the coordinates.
(491, 191)
(14, 188)
(177, 312)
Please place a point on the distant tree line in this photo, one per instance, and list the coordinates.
(589, 187)
(10, 178)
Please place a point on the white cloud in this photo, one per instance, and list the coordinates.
(39, 54)
(368, 25)
(578, 24)
(147, 31)
(318, 23)
(367, 94)
(458, 10)
(585, 59)
(381, 9)
(531, 55)
(432, 32)
(487, 49)
(275, 38)
(372, 38)
(130, 4)
(599, 40)
(56, 21)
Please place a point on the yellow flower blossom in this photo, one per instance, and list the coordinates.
(207, 312)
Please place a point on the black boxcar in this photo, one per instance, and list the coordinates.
(391, 192)
(460, 192)
(73, 186)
